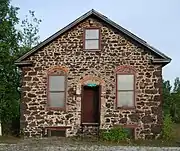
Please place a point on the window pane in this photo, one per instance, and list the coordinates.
(125, 99)
(56, 83)
(56, 99)
(92, 44)
(61, 133)
(92, 34)
(125, 82)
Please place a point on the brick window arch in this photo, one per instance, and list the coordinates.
(125, 87)
(56, 88)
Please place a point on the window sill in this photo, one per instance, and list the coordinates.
(55, 109)
(91, 50)
(90, 123)
(126, 108)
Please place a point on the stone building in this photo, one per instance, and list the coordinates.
(93, 74)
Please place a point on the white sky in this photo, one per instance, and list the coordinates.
(155, 21)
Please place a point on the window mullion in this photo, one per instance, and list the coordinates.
(56, 91)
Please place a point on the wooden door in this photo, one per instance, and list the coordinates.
(90, 105)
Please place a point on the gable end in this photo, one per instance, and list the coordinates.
(162, 60)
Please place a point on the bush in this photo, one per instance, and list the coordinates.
(167, 130)
(115, 134)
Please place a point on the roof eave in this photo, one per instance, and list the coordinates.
(23, 63)
(161, 61)
(49, 39)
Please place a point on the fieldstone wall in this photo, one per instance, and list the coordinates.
(118, 53)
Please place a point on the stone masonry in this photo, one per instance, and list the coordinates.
(118, 54)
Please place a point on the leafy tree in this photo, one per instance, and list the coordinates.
(9, 38)
(12, 44)
(30, 30)
(175, 95)
(171, 99)
(166, 96)
(176, 85)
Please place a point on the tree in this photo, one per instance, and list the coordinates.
(12, 44)
(176, 85)
(166, 96)
(171, 99)
(175, 95)
(9, 39)
(30, 31)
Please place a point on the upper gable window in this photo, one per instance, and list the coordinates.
(92, 39)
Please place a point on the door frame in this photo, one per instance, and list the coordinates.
(82, 97)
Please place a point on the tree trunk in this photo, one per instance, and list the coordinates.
(0, 129)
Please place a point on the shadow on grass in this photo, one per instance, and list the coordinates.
(9, 139)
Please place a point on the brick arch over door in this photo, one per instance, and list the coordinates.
(93, 79)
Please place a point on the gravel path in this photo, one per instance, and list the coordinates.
(64, 145)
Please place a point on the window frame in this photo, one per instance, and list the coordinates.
(48, 91)
(84, 39)
(56, 128)
(134, 91)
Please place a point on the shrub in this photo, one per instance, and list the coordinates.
(167, 130)
(115, 134)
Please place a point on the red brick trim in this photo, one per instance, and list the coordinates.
(57, 68)
(57, 127)
(86, 78)
(125, 69)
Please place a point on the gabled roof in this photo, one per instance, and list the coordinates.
(163, 58)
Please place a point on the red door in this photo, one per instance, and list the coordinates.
(90, 105)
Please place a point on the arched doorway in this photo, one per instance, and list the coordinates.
(91, 97)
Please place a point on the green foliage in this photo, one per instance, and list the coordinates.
(166, 97)
(167, 130)
(9, 95)
(12, 44)
(115, 134)
(171, 99)
(30, 30)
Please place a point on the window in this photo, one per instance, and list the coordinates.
(57, 132)
(125, 90)
(91, 39)
(56, 94)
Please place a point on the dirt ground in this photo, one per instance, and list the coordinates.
(66, 144)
